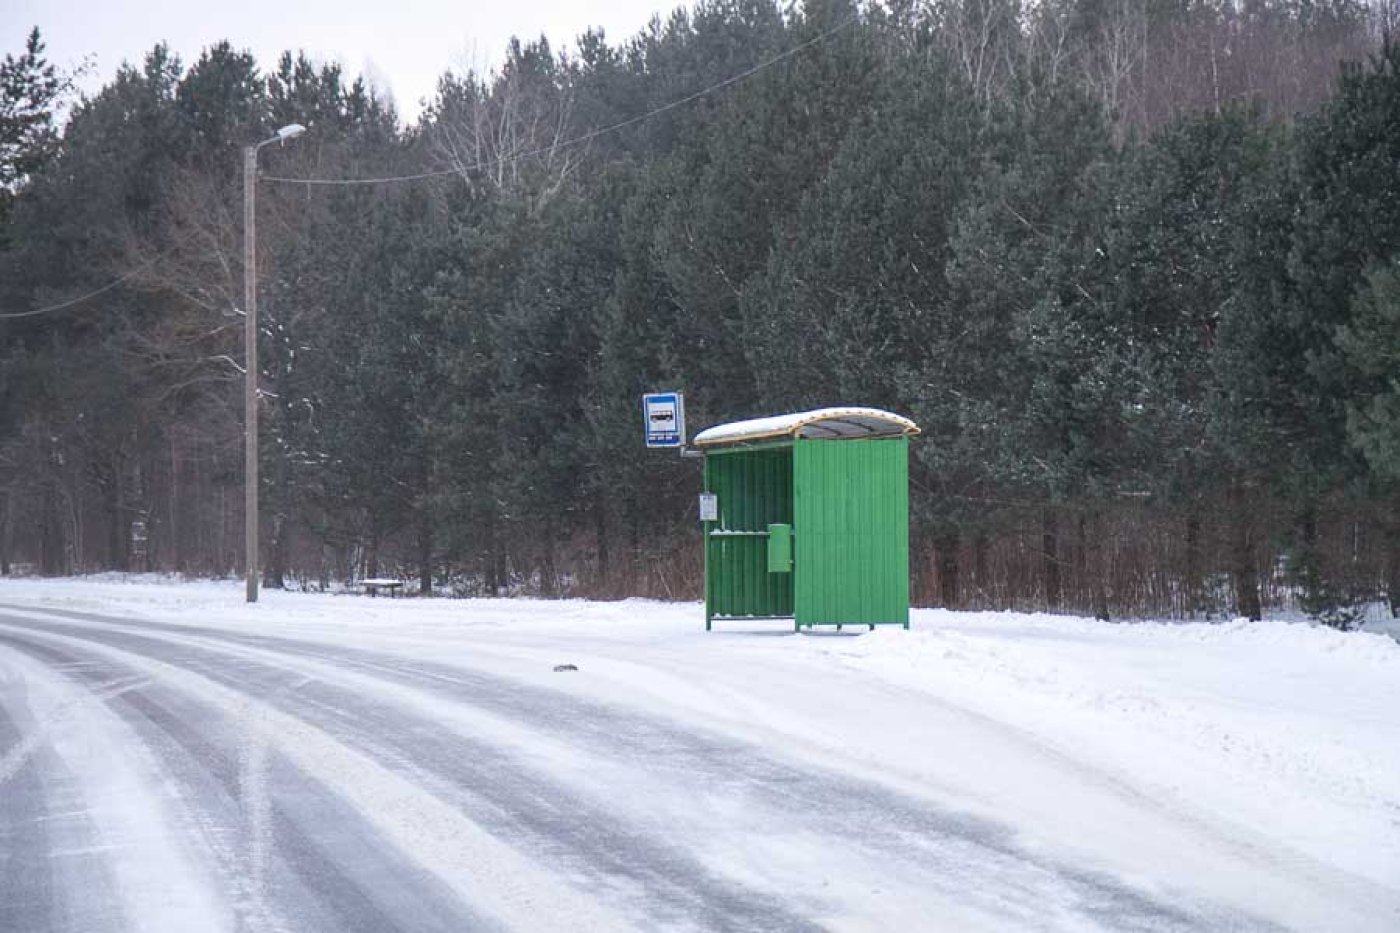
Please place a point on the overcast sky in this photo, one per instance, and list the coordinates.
(402, 45)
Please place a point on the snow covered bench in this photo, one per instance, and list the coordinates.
(373, 585)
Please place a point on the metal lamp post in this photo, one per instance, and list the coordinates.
(250, 349)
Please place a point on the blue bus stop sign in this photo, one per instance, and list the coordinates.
(665, 419)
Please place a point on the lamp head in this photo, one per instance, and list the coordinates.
(290, 131)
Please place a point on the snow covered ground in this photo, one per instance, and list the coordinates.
(173, 759)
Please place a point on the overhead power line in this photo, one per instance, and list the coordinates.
(591, 134)
(488, 163)
(80, 299)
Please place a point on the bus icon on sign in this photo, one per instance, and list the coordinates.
(665, 419)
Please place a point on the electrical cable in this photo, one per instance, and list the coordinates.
(543, 150)
(590, 135)
(80, 299)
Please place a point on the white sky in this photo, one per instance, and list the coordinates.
(401, 45)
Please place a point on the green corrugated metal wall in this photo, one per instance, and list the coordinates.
(754, 490)
(851, 530)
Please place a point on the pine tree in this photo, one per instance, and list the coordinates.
(31, 89)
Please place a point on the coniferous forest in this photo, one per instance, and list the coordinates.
(1133, 265)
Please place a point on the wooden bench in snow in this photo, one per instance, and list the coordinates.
(373, 585)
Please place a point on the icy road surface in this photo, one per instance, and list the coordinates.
(171, 760)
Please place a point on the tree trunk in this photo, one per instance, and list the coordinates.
(51, 532)
(634, 550)
(1246, 578)
(173, 512)
(549, 574)
(154, 529)
(1392, 578)
(118, 527)
(1392, 563)
(141, 524)
(275, 575)
(425, 554)
(1092, 533)
(74, 552)
(5, 533)
(1050, 558)
(946, 547)
(1191, 575)
(1080, 586)
(491, 560)
(600, 531)
(979, 569)
(372, 556)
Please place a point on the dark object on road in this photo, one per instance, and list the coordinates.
(564, 667)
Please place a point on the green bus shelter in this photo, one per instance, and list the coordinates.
(806, 517)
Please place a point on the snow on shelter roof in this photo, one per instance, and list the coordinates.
(824, 423)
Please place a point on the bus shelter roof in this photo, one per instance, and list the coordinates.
(821, 423)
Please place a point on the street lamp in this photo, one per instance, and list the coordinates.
(250, 351)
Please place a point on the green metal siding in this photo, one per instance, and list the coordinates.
(754, 490)
(851, 531)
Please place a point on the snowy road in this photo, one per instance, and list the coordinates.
(170, 775)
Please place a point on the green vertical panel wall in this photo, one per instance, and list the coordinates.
(754, 490)
(851, 528)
